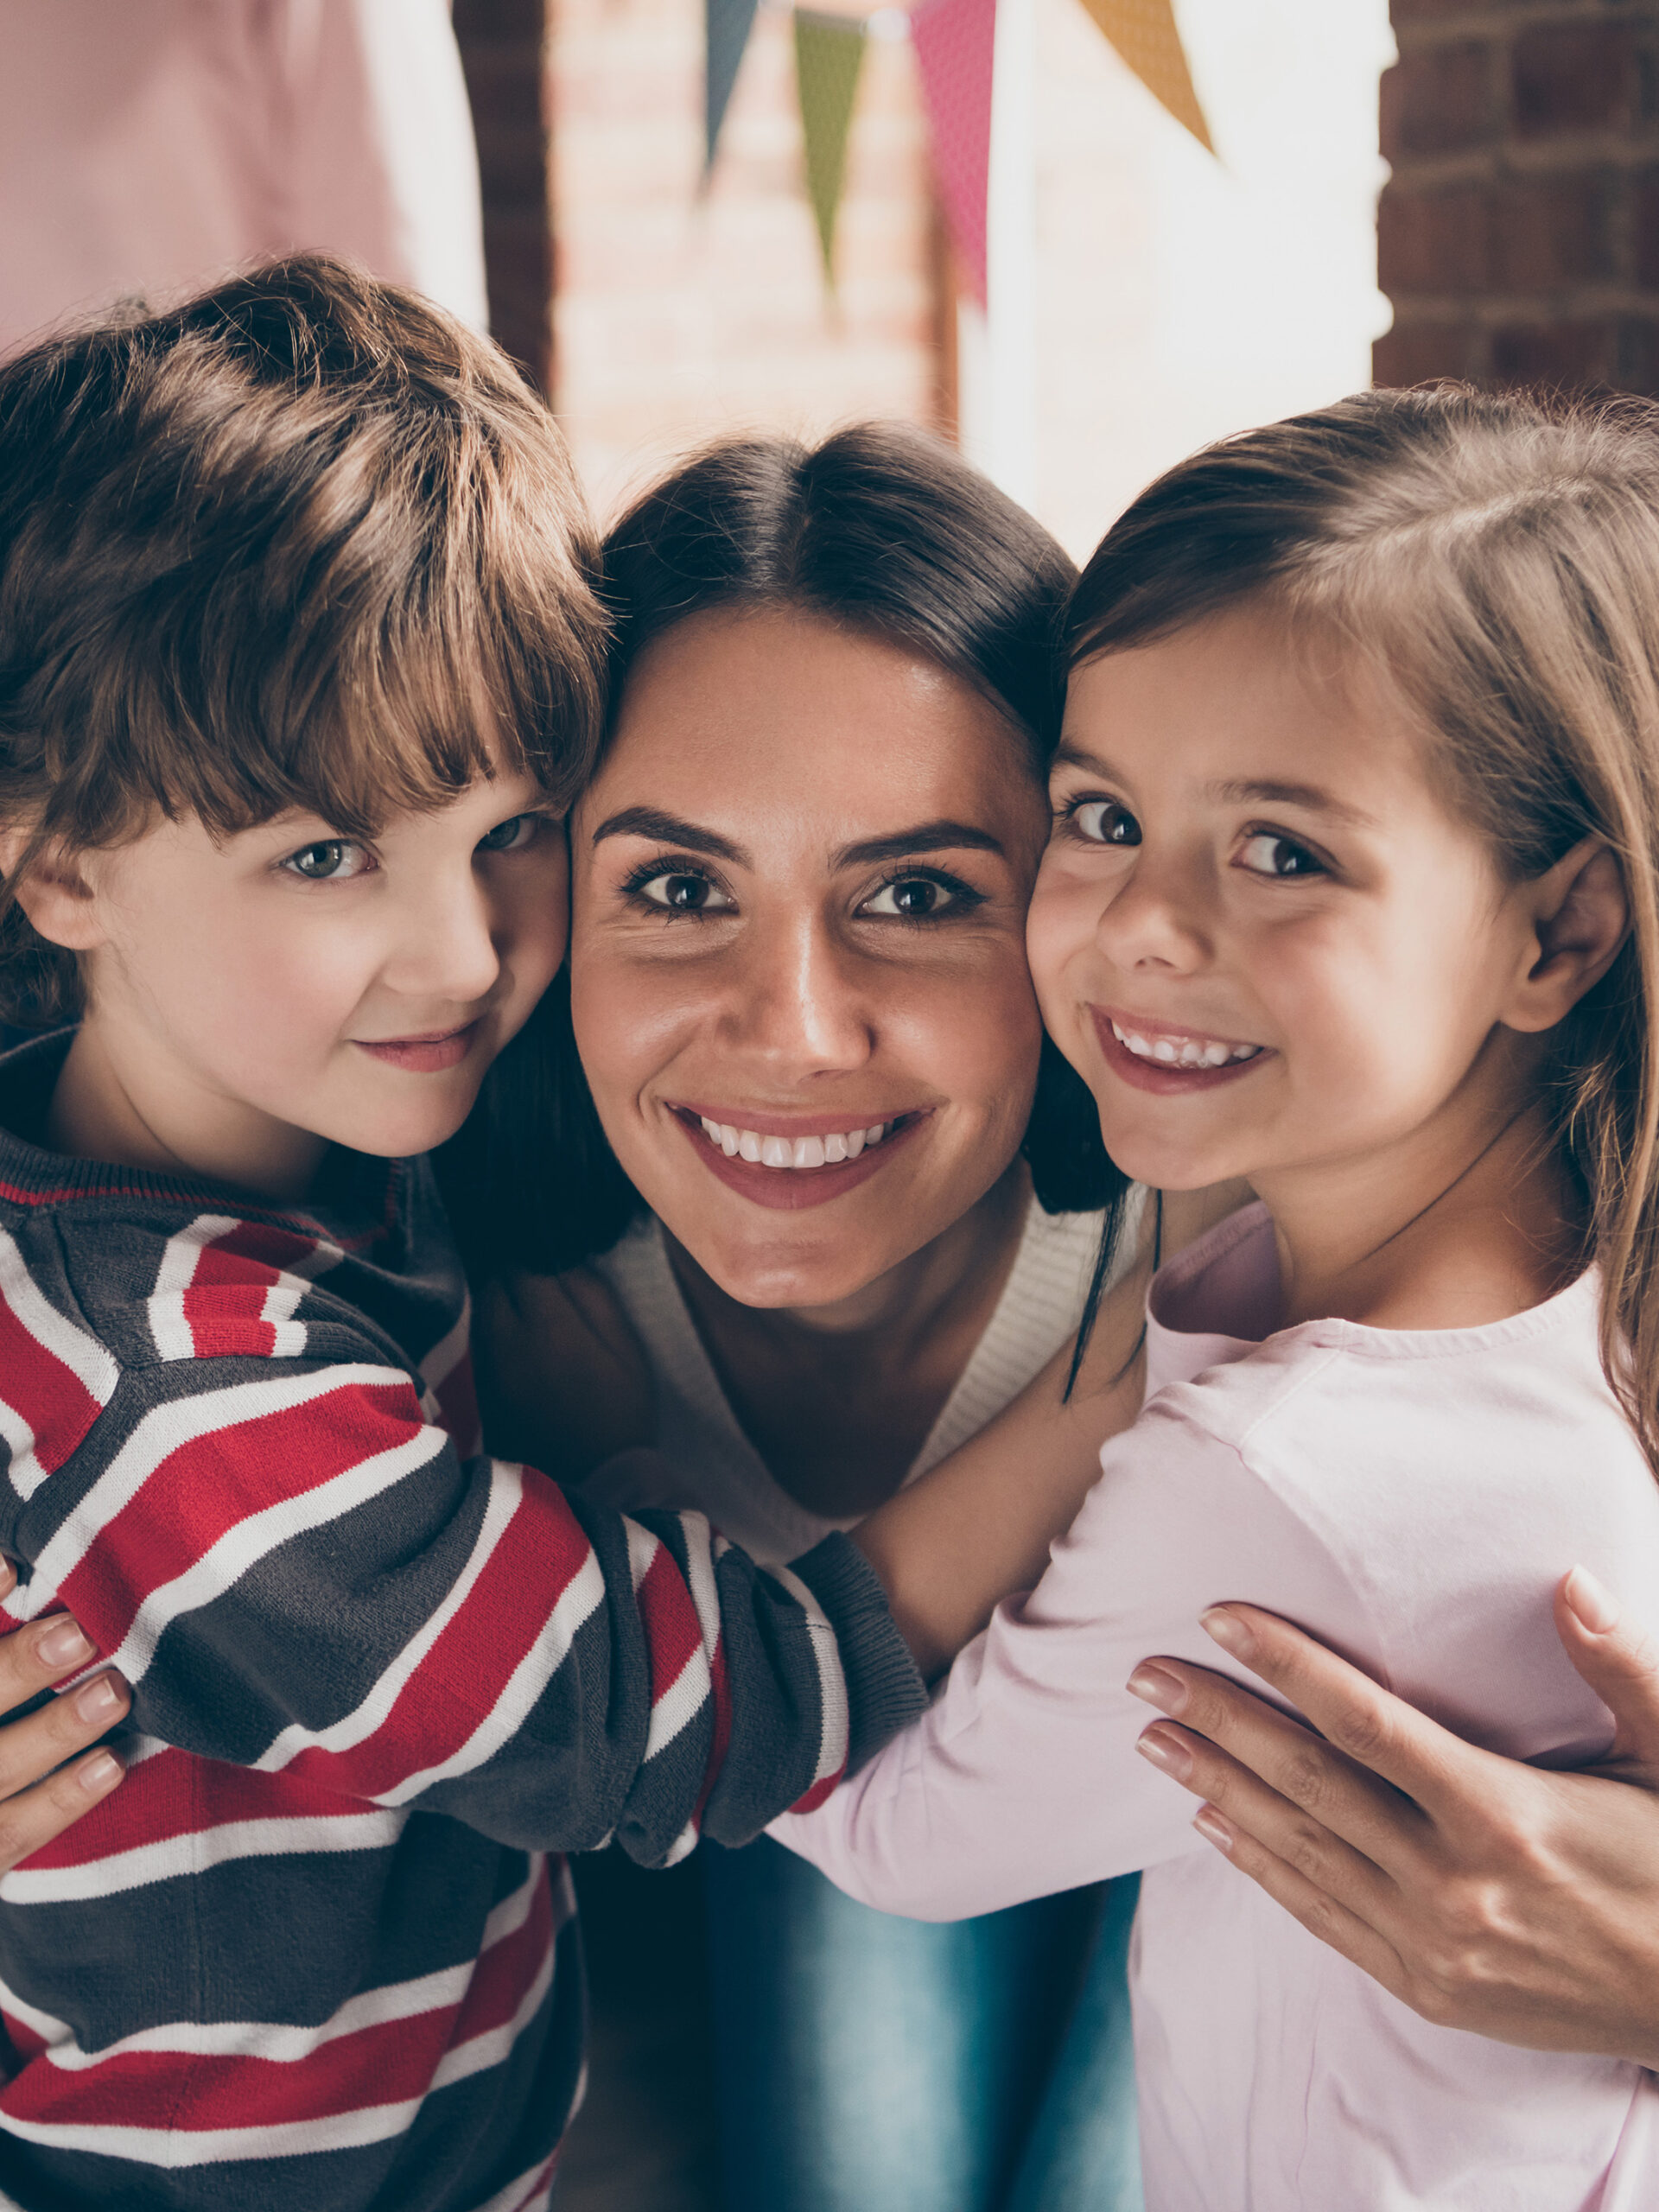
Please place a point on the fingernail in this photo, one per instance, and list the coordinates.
(1209, 1825)
(1227, 1630)
(97, 1701)
(63, 1645)
(1593, 1606)
(1159, 1687)
(1166, 1751)
(98, 1772)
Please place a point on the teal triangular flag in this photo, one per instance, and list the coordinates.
(727, 25)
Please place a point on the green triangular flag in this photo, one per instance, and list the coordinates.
(828, 52)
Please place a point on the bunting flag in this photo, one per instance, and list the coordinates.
(1144, 33)
(727, 25)
(955, 44)
(829, 53)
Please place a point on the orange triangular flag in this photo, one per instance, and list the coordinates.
(1144, 33)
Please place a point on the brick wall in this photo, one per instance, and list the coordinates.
(1518, 238)
(503, 45)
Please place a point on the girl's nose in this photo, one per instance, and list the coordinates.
(798, 1006)
(1156, 917)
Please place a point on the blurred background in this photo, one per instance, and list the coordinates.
(1080, 235)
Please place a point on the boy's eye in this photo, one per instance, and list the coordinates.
(507, 836)
(1268, 853)
(1103, 821)
(679, 893)
(334, 860)
(918, 897)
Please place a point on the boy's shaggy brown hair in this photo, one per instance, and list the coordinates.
(304, 542)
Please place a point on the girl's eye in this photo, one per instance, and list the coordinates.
(1103, 821)
(680, 894)
(332, 860)
(507, 835)
(1267, 852)
(918, 898)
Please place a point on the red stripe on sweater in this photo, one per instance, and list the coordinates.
(458, 1684)
(48, 1393)
(174, 1792)
(673, 1632)
(199, 1493)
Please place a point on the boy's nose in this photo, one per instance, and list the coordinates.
(446, 946)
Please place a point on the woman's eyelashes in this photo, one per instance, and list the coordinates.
(673, 887)
(920, 894)
(683, 888)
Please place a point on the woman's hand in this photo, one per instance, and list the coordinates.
(41, 1796)
(1488, 1895)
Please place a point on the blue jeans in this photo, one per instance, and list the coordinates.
(867, 2063)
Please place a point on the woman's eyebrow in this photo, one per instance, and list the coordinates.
(668, 830)
(926, 837)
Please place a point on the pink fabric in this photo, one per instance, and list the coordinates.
(955, 42)
(1412, 1498)
(146, 148)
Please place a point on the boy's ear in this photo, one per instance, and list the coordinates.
(55, 894)
(1581, 916)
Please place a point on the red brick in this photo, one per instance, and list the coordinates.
(1433, 241)
(1417, 352)
(1438, 101)
(1574, 77)
(1554, 231)
(1576, 351)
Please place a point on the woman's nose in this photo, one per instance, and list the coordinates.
(800, 1004)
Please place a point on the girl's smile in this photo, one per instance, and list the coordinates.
(1165, 1057)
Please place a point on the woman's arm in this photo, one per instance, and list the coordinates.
(1487, 1895)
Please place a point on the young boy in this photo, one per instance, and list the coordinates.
(298, 669)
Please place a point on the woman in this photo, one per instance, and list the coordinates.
(798, 989)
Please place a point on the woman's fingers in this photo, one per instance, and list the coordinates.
(1374, 1730)
(1269, 1821)
(1319, 1912)
(1621, 1665)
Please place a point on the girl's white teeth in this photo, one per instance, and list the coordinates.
(784, 1152)
(1184, 1052)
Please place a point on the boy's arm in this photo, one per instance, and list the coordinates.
(297, 1572)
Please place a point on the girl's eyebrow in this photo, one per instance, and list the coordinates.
(1267, 793)
(668, 830)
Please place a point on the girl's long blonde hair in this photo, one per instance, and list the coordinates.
(1497, 558)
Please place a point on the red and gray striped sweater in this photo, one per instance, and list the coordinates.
(314, 1955)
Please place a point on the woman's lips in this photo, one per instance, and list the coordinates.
(1159, 1076)
(789, 1188)
(422, 1055)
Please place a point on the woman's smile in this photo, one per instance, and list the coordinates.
(790, 1160)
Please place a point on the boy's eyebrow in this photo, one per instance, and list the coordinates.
(926, 837)
(668, 830)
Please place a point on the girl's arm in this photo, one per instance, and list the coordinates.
(1487, 1895)
(562, 1381)
(951, 1546)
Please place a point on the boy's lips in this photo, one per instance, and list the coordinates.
(1169, 1059)
(427, 1055)
(788, 1161)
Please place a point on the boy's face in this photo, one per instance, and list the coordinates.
(258, 998)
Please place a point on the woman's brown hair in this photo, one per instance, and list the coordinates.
(305, 541)
(1497, 559)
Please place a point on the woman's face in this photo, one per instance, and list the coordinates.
(797, 964)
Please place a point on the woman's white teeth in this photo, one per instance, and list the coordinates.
(1184, 1052)
(785, 1152)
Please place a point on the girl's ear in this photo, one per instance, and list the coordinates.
(55, 893)
(1581, 916)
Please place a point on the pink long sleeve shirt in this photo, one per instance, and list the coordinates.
(1410, 1497)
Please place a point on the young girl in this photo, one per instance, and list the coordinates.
(1353, 891)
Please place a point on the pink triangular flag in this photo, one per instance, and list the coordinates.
(956, 42)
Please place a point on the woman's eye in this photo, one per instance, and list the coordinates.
(912, 898)
(683, 895)
(1267, 852)
(332, 860)
(1103, 821)
(507, 835)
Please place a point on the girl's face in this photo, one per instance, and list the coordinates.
(798, 977)
(1257, 933)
